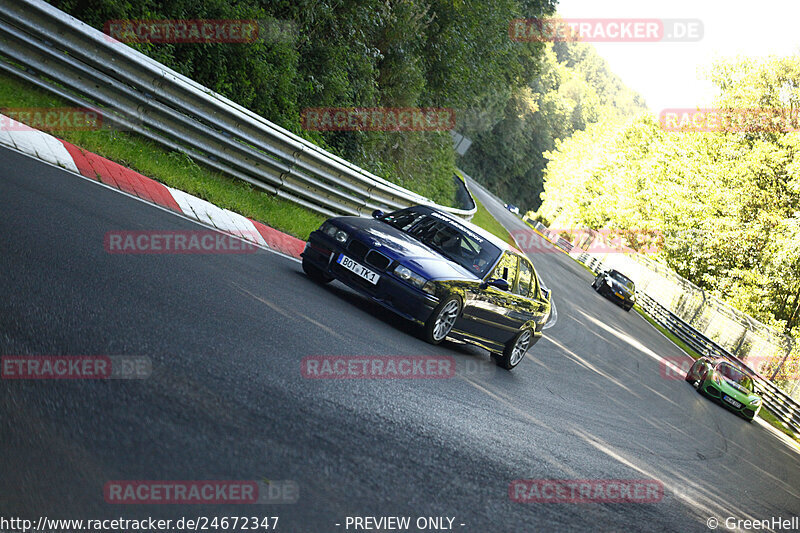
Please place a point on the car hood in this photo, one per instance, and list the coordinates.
(735, 390)
(399, 246)
(617, 286)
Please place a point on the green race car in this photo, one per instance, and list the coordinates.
(726, 383)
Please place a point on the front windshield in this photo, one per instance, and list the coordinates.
(457, 243)
(735, 375)
(621, 278)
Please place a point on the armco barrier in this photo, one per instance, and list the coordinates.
(778, 402)
(65, 56)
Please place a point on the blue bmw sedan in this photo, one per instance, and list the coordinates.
(447, 275)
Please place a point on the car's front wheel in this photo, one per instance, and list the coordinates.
(315, 273)
(700, 383)
(515, 350)
(441, 322)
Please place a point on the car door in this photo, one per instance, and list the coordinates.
(528, 302)
(489, 308)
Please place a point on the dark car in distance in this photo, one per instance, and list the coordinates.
(617, 287)
(443, 273)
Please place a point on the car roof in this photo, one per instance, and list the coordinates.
(614, 270)
(500, 243)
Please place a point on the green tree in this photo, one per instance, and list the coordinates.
(727, 202)
(573, 89)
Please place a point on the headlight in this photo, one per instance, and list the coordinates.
(332, 231)
(410, 276)
(329, 229)
(755, 401)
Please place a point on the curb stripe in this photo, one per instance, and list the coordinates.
(90, 165)
(277, 240)
(83, 165)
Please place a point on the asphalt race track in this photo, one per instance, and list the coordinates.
(226, 400)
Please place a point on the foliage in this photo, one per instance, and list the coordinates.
(574, 88)
(726, 202)
(484, 219)
(342, 53)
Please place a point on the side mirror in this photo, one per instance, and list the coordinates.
(378, 214)
(498, 283)
(545, 293)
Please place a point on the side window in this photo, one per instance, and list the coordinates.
(507, 269)
(525, 278)
(404, 220)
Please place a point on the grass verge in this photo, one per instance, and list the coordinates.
(485, 220)
(671, 336)
(175, 169)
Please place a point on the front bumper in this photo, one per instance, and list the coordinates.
(620, 298)
(746, 410)
(390, 292)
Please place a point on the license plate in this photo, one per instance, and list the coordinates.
(732, 401)
(358, 269)
(618, 294)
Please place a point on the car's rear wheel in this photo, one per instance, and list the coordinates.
(441, 322)
(315, 273)
(515, 350)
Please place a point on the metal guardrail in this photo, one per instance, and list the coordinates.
(783, 406)
(65, 56)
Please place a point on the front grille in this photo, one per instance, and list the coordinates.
(357, 250)
(354, 279)
(749, 413)
(378, 260)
